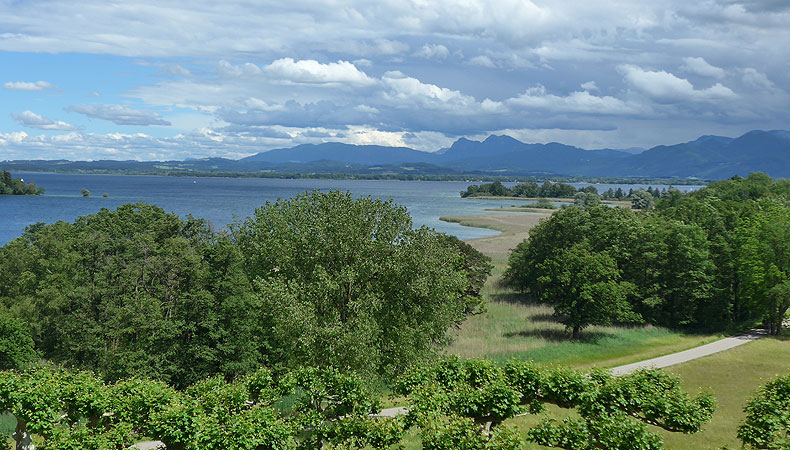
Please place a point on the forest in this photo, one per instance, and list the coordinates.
(283, 331)
(712, 259)
(17, 186)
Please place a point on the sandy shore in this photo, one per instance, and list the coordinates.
(514, 228)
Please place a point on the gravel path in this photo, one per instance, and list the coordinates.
(694, 353)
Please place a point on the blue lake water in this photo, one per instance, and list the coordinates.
(224, 200)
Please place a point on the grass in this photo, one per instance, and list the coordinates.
(512, 327)
(732, 376)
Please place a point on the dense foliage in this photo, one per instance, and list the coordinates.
(350, 283)
(17, 349)
(528, 190)
(453, 404)
(767, 423)
(16, 186)
(320, 280)
(463, 403)
(709, 259)
(306, 408)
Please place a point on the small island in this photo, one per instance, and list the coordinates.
(17, 186)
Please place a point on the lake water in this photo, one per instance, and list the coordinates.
(224, 200)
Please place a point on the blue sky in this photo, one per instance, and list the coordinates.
(154, 80)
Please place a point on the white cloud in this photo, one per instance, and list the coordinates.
(590, 86)
(430, 51)
(27, 85)
(482, 60)
(575, 102)
(406, 91)
(313, 72)
(754, 78)
(701, 67)
(119, 115)
(33, 120)
(664, 87)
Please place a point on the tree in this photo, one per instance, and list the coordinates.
(348, 283)
(477, 267)
(463, 403)
(133, 292)
(765, 261)
(17, 349)
(641, 199)
(584, 288)
(767, 423)
(586, 199)
(529, 190)
(16, 186)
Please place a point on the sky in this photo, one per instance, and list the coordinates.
(153, 80)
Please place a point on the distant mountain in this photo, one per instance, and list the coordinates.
(713, 157)
(347, 153)
(708, 157)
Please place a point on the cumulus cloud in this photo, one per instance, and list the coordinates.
(33, 120)
(313, 72)
(430, 51)
(575, 102)
(589, 86)
(482, 60)
(664, 87)
(27, 85)
(260, 72)
(120, 115)
(409, 91)
(701, 67)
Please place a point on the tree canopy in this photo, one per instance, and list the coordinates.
(16, 186)
(349, 282)
(322, 279)
(707, 259)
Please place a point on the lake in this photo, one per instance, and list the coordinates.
(224, 200)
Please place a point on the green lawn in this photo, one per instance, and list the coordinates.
(514, 328)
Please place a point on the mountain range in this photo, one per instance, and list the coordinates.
(708, 157)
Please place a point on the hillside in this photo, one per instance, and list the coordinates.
(708, 157)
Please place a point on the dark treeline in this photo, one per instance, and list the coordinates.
(15, 186)
(527, 189)
(321, 279)
(711, 259)
(548, 189)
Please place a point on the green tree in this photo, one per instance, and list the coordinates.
(641, 199)
(133, 292)
(767, 423)
(585, 288)
(349, 283)
(529, 190)
(17, 349)
(586, 199)
(765, 261)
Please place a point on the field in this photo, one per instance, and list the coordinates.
(515, 328)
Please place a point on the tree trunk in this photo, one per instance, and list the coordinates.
(23, 439)
(576, 331)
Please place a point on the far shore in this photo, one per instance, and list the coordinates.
(551, 199)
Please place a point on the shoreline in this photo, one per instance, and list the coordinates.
(551, 199)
